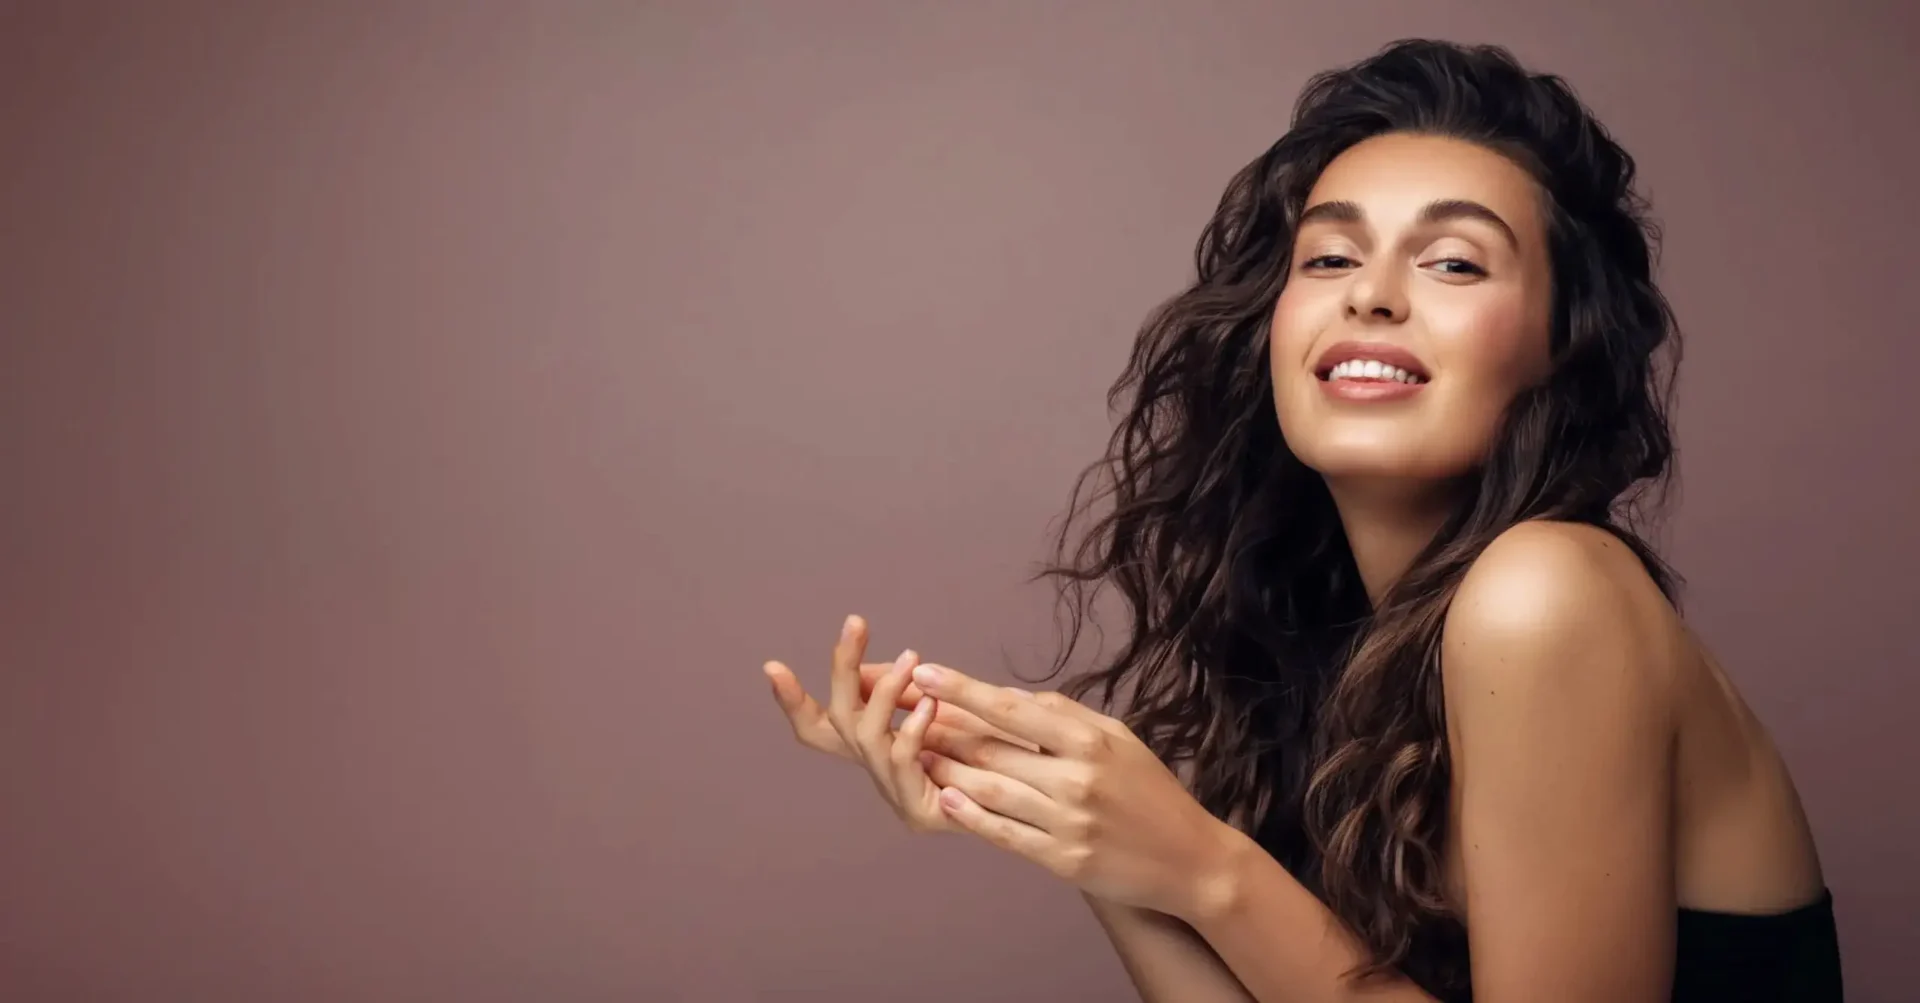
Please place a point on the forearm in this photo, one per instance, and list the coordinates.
(1283, 944)
(1167, 961)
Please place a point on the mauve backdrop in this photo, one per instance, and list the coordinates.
(420, 420)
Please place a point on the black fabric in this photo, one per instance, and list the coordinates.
(1791, 957)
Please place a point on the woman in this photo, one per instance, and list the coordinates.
(1411, 712)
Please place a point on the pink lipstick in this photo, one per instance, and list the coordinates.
(1370, 371)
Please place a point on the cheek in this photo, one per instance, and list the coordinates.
(1289, 336)
(1495, 346)
(1299, 316)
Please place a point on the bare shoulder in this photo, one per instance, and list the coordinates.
(1542, 575)
(1562, 607)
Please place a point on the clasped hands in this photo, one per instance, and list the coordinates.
(1036, 774)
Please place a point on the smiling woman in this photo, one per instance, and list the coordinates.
(1413, 713)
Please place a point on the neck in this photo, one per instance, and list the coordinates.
(1387, 525)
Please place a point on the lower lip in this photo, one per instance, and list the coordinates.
(1370, 390)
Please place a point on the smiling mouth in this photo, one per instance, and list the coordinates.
(1371, 371)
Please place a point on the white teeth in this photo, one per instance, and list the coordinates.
(1371, 369)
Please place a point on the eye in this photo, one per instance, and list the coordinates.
(1326, 262)
(1459, 266)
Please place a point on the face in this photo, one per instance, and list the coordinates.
(1417, 308)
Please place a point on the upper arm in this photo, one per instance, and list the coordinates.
(1555, 666)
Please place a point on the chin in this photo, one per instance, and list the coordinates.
(1368, 469)
(1380, 460)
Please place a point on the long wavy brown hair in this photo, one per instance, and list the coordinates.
(1298, 709)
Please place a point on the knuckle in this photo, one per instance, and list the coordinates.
(1005, 703)
(1052, 699)
(939, 744)
(1084, 744)
(1073, 862)
(972, 749)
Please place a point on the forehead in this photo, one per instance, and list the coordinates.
(1392, 177)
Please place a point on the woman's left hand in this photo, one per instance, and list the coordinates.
(1094, 805)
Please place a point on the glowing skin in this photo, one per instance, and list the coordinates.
(1425, 246)
(1431, 252)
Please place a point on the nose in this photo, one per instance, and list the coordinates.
(1374, 296)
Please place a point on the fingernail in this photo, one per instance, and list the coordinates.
(1024, 693)
(906, 659)
(951, 798)
(846, 629)
(924, 708)
(927, 676)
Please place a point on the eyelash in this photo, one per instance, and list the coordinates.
(1467, 267)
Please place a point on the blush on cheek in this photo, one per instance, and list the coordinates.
(1302, 313)
(1517, 346)
(1499, 351)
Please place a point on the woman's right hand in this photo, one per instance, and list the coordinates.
(857, 724)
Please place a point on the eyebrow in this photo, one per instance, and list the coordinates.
(1437, 211)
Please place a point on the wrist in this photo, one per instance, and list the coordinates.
(1218, 884)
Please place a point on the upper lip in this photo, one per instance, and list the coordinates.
(1379, 351)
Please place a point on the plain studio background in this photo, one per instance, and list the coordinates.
(420, 420)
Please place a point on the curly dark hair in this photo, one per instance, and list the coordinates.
(1300, 710)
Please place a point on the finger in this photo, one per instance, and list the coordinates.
(945, 714)
(1015, 712)
(1008, 834)
(941, 737)
(1054, 700)
(998, 793)
(872, 672)
(1056, 777)
(810, 725)
(873, 732)
(962, 720)
(916, 795)
(960, 723)
(843, 695)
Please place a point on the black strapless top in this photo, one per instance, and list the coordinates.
(1718, 957)
(1789, 957)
